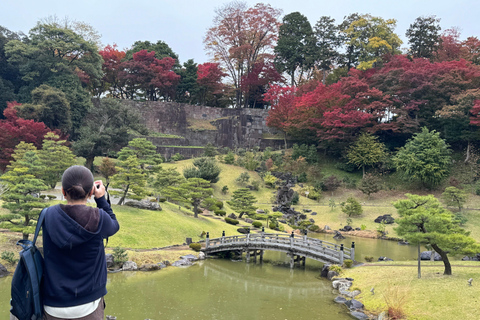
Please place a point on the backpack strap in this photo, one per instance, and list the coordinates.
(39, 225)
(34, 274)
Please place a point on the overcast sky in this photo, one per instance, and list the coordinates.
(182, 23)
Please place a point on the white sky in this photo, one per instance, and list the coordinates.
(182, 23)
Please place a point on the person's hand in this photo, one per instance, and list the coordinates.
(98, 189)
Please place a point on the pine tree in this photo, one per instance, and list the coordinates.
(129, 178)
(242, 202)
(21, 197)
(56, 158)
(194, 191)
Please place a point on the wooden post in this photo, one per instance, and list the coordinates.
(291, 239)
(261, 256)
(223, 237)
(292, 261)
(248, 256)
(341, 254)
(207, 240)
(303, 261)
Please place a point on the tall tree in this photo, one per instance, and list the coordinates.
(211, 88)
(450, 47)
(188, 88)
(205, 168)
(423, 220)
(194, 191)
(21, 198)
(257, 83)
(328, 41)
(10, 78)
(239, 37)
(146, 153)
(112, 68)
(161, 49)
(424, 37)
(295, 49)
(424, 158)
(105, 129)
(130, 179)
(282, 109)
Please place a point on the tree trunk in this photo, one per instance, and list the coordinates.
(241, 215)
(89, 163)
(120, 202)
(363, 169)
(285, 139)
(467, 158)
(419, 263)
(195, 208)
(446, 262)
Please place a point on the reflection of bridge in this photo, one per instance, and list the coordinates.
(294, 245)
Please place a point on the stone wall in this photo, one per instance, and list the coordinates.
(199, 125)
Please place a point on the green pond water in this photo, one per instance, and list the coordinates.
(222, 289)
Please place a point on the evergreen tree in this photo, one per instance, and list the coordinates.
(424, 37)
(423, 220)
(454, 197)
(107, 168)
(366, 151)
(242, 202)
(145, 152)
(167, 178)
(194, 191)
(369, 184)
(204, 168)
(21, 197)
(56, 158)
(130, 178)
(352, 207)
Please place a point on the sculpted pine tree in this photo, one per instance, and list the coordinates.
(193, 191)
(242, 202)
(21, 194)
(129, 178)
(423, 220)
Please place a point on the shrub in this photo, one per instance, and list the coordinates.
(256, 185)
(312, 193)
(195, 246)
(348, 263)
(302, 177)
(231, 221)
(177, 157)
(225, 189)
(330, 183)
(369, 258)
(314, 228)
(243, 177)
(336, 268)
(363, 227)
(219, 204)
(257, 224)
(220, 213)
(352, 207)
(120, 256)
(205, 168)
(162, 199)
(241, 152)
(269, 180)
(295, 198)
(209, 150)
(229, 158)
(9, 257)
(273, 225)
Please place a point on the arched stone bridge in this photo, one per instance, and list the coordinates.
(294, 245)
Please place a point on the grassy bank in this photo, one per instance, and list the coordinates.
(434, 296)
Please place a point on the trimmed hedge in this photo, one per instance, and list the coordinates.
(231, 221)
(220, 213)
(195, 246)
(257, 224)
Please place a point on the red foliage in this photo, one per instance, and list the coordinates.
(209, 75)
(450, 46)
(475, 114)
(112, 59)
(14, 129)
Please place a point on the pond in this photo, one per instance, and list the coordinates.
(222, 289)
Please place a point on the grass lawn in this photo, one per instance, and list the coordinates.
(434, 296)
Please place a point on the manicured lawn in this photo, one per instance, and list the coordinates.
(434, 296)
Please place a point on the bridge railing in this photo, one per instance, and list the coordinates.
(304, 243)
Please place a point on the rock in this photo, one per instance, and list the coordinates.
(354, 304)
(359, 315)
(426, 255)
(347, 228)
(388, 219)
(349, 279)
(144, 204)
(129, 266)
(232, 216)
(283, 221)
(161, 265)
(3, 271)
(340, 299)
(338, 235)
(358, 229)
(188, 241)
(403, 243)
(182, 263)
(260, 211)
(341, 284)
(110, 261)
(325, 269)
(111, 317)
(331, 274)
(190, 257)
(201, 256)
(350, 294)
(303, 217)
(243, 230)
(248, 220)
(311, 220)
(307, 210)
(314, 213)
(326, 228)
(149, 267)
(382, 316)
(384, 259)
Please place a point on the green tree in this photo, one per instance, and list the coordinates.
(229, 158)
(130, 178)
(366, 151)
(204, 168)
(21, 197)
(295, 49)
(50, 106)
(454, 197)
(188, 88)
(424, 158)
(242, 202)
(145, 152)
(423, 220)
(328, 41)
(352, 207)
(161, 48)
(106, 129)
(20, 150)
(166, 178)
(193, 191)
(424, 37)
(56, 158)
(369, 184)
(243, 177)
(107, 168)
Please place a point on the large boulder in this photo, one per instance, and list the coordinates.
(338, 236)
(331, 274)
(201, 256)
(110, 260)
(144, 204)
(341, 284)
(427, 255)
(190, 257)
(359, 315)
(3, 271)
(340, 299)
(232, 216)
(354, 304)
(388, 219)
(243, 230)
(182, 263)
(129, 266)
(325, 269)
(384, 259)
